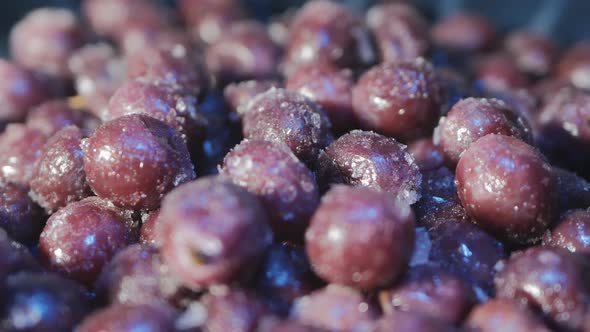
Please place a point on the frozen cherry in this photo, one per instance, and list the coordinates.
(504, 315)
(285, 274)
(149, 229)
(334, 308)
(399, 99)
(42, 302)
(439, 201)
(499, 72)
(181, 69)
(232, 310)
(464, 32)
(51, 116)
(238, 95)
(353, 222)
(471, 119)
(98, 72)
(286, 188)
(15, 257)
(565, 130)
(288, 117)
(326, 32)
(20, 91)
(508, 187)
(211, 230)
(138, 37)
(81, 238)
(20, 217)
(124, 317)
(574, 65)
(273, 324)
(58, 177)
(20, 147)
(331, 88)
(400, 32)
(551, 280)
(207, 20)
(164, 102)
(404, 321)
(367, 159)
(431, 291)
(467, 250)
(111, 17)
(135, 160)
(136, 275)
(427, 155)
(244, 51)
(573, 190)
(533, 53)
(44, 40)
(572, 233)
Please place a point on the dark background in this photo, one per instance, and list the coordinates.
(566, 20)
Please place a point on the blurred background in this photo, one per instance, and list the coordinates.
(566, 20)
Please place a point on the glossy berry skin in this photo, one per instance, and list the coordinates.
(288, 117)
(427, 155)
(504, 315)
(331, 88)
(574, 65)
(286, 188)
(243, 307)
(53, 115)
(468, 251)
(244, 51)
(432, 291)
(42, 302)
(15, 258)
(44, 40)
(123, 317)
(551, 280)
(58, 176)
(401, 33)
(211, 230)
(464, 32)
(399, 99)
(367, 159)
(471, 119)
(20, 147)
(572, 232)
(81, 238)
(349, 224)
(181, 69)
(135, 160)
(324, 32)
(167, 103)
(20, 91)
(334, 308)
(285, 274)
(508, 188)
(20, 217)
(97, 72)
(238, 95)
(533, 52)
(439, 201)
(136, 275)
(403, 321)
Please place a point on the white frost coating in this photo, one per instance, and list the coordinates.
(193, 317)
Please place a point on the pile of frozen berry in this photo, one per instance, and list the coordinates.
(191, 169)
